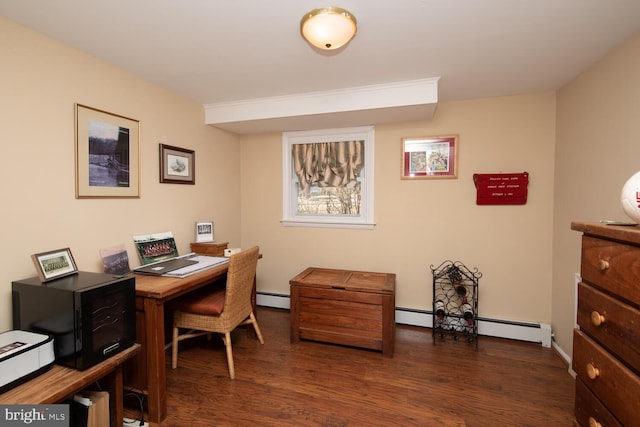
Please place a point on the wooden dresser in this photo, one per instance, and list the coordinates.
(355, 308)
(606, 346)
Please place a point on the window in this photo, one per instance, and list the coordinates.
(328, 178)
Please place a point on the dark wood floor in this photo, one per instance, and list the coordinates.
(503, 383)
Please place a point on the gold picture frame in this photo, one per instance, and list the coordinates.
(54, 264)
(107, 154)
(431, 157)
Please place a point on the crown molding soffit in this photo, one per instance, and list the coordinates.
(363, 105)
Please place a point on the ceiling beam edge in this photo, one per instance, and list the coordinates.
(407, 93)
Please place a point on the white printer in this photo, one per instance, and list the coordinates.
(23, 355)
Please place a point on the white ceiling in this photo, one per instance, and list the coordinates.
(225, 51)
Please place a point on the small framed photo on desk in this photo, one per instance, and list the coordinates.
(204, 231)
(54, 264)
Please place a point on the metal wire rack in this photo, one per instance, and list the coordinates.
(455, 302)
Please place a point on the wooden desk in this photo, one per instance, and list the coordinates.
(147, 371)
(60, 383)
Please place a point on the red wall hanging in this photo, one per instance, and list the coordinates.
(501, 188)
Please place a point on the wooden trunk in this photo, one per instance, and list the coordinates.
(353, 308)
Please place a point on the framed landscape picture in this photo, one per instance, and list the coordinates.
(106, 154)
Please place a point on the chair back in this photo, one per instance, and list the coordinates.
(240, 277)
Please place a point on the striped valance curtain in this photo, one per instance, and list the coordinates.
(327, 164)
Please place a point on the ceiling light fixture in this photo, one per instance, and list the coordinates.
(328, 28)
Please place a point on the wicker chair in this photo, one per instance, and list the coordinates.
(220, 311)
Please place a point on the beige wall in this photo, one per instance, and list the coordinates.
(40, 82)
(597, 150)
(419, 223)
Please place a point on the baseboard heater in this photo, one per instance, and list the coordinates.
(522, 331)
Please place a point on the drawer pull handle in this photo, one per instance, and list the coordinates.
(596, 318)
(338, 287)
(603, 265)
(592, 371)
(594, 423)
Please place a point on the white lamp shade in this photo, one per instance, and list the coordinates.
(328, 28)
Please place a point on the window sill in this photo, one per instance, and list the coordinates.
(313, 224)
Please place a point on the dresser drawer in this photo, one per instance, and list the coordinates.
(612, 323)
(590, 411)
(614, 384)
(612, 266)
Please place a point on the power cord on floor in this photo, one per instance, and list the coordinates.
(133, 423)
(130, 422)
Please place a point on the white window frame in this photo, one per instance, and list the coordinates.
(290, 216)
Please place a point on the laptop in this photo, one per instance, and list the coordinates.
(162, 267)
